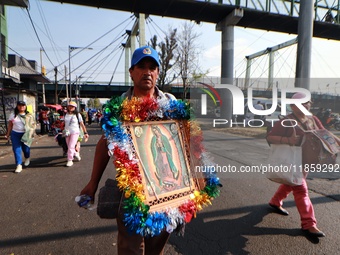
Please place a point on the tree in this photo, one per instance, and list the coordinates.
(187, 52)
(90, 103)
(97, 104)
(166, 56)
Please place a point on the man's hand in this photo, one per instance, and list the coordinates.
(90, 189)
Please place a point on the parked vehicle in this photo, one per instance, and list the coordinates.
(337, 123)
(333, 121)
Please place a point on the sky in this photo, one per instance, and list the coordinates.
(57, 26)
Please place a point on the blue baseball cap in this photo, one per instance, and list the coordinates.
(144, 52)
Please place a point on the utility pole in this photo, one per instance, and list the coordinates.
(70, 49)
(56, 85)
(43, 72)
(69, 70)
(67, 99)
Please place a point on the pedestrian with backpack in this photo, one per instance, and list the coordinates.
(73, 124)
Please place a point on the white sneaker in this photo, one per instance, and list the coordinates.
(69, 163)
(18, 169)
(77, 156)
(27, 162)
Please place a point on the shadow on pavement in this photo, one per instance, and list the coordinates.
(55, 236)
(218, 236)
(43, 162)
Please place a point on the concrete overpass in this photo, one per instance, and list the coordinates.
(270, 15)
(93, 90)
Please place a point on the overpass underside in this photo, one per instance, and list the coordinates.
(270, 15)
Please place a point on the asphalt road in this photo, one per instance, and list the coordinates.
(39, 215)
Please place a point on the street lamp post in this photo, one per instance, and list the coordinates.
(70, 49)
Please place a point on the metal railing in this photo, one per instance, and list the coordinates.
(324, 10)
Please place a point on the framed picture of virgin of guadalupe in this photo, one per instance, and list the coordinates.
(162, 151)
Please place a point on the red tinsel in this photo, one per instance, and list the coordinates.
(188, 210)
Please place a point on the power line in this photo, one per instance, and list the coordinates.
(152, 23)
(15, 51)
(102, 61)
(116, 66)
(35, 31)
(48, 33)
(90, 44)
(98, 53)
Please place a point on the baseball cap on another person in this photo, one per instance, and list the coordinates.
(21, 103)
(144, 52)
(72, 104)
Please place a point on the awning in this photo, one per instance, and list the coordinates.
(10, 81)
(57, 107)
(36, 77)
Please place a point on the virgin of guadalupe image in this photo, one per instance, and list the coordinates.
(165, 169)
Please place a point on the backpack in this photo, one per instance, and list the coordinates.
(319, 147)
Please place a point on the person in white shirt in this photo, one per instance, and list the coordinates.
(258, 106)
(73, 123)
(21, 127)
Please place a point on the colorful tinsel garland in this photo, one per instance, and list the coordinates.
(137, 217)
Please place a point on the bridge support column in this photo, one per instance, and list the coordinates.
(141, 26)
(304, 46)
(138, 29)
(127, 66)
(227, 60)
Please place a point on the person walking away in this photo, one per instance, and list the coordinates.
(98, 117)
(59, 137)
(43, 119)
(144, 72)
(73, 123)
(51, 119)
(21, 128)
(281, 134)
(89, 116)
(258, 106)
(83, 115)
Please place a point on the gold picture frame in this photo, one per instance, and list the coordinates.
(163, 153)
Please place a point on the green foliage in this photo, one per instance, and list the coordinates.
(90, 103)
(97, 104)
(94, 103)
